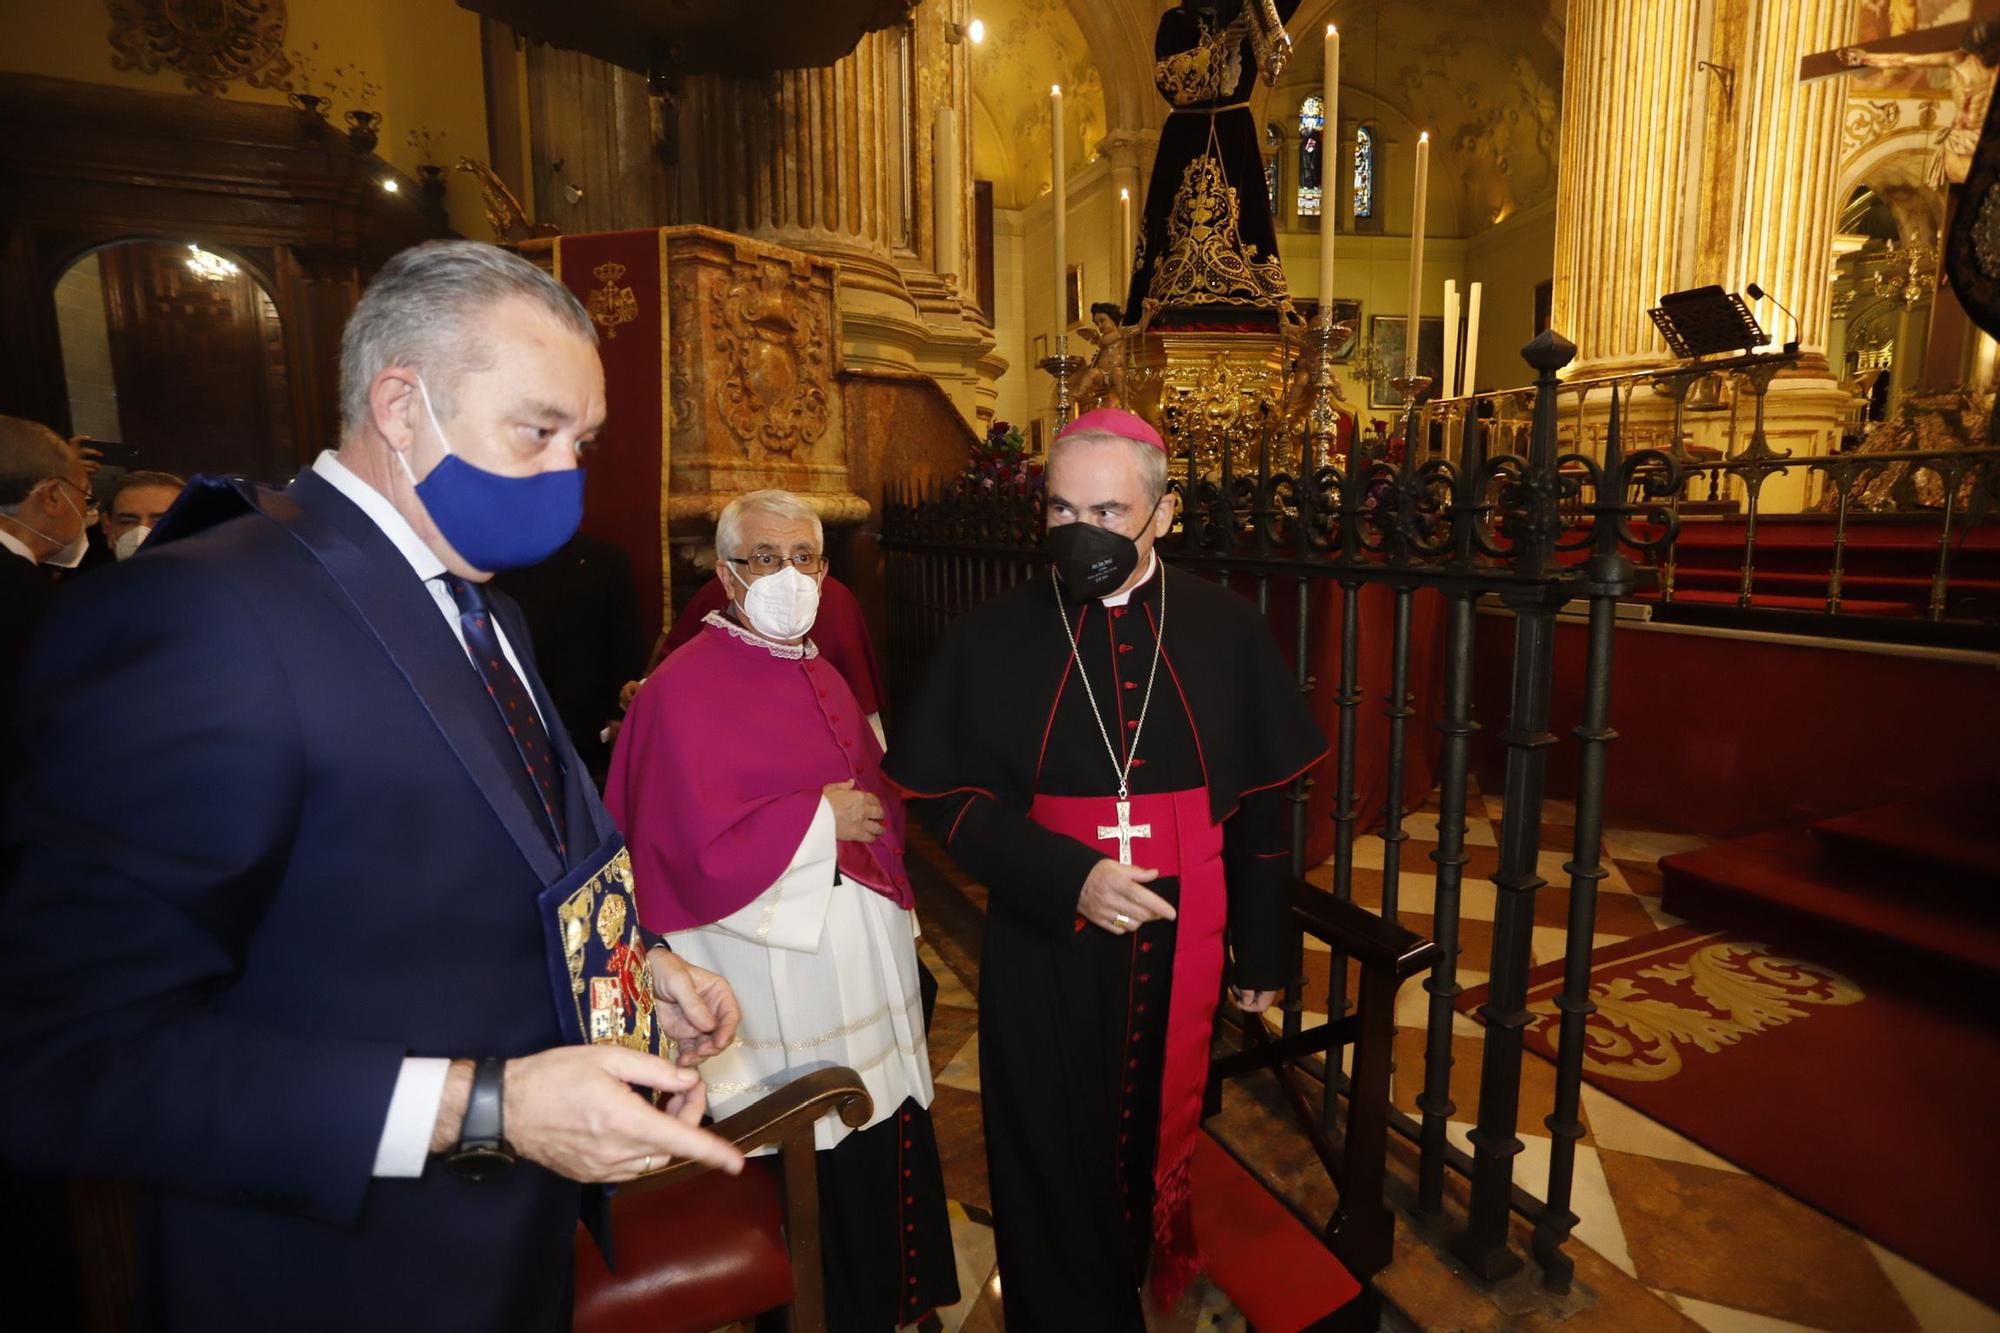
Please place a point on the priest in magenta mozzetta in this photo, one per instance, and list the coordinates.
(1107, 750)
(767, 846)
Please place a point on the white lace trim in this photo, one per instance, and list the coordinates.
(790, 651)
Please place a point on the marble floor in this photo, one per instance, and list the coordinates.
(1670, 1235)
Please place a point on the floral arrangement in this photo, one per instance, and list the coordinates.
(1000, 465)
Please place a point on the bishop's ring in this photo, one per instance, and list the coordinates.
(1122, 921)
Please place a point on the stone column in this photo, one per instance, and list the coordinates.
(838, 162)
(835, 161)
(1787, 168)
(1629, 156)
(1785, 178)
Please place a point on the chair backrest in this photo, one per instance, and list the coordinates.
(697, 1249)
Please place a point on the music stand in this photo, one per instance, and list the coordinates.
(1705, 320)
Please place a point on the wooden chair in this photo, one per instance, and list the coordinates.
(698, 1249)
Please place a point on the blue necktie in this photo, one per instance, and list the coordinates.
(540, 774)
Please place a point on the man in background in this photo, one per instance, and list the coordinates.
(136, 504)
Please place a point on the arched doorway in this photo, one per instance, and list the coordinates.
(175, 351)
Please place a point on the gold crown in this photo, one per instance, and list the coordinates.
(609, 272)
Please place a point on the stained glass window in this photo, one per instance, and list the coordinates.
(1274, 142)
(1312, 121)
(1364, 172)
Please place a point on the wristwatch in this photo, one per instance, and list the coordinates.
(482, 1154)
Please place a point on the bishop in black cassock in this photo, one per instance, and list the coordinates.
(1098, 981)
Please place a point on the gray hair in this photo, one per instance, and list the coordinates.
(423, 311)
(781, 504)
(1151, 462)
(30, 454)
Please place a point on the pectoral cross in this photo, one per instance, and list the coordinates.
(1124, 830)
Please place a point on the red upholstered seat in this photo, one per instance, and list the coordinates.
(695, 1255)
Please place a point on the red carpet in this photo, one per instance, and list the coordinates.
(1868, 1106)
(1263, 1258)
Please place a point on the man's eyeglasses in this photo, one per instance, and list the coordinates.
(768, 562)
(89, 500)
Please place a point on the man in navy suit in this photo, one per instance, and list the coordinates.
(289, 964)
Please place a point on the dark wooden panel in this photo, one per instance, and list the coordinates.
(83, 166)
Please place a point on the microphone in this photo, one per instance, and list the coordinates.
(1757, 293)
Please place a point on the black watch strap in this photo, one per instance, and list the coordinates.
(483, 1152)
(482, 1128)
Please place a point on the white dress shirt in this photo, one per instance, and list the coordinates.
(405, 1144)
(17, 546)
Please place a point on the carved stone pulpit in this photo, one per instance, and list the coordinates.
(720, 358)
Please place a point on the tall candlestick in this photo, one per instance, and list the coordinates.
(1472, 341)
(1417, 254)
(1121, 275)
(1059, 206)
(1448, 386)
(1330, 160)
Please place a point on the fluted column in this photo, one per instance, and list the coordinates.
(837, 161)
(1786, 169)
(1629, 155)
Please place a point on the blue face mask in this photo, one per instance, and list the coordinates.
(497, 522)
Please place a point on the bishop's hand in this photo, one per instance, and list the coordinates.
(1116, 898)
(857, 814)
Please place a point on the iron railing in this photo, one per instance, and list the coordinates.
(1486, 505)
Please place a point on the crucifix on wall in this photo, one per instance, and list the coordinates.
(1968, 51)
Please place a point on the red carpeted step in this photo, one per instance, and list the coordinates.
(1277, 1271)
(1955, 842)
(1782, 889)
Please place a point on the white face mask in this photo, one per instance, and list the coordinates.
(131, 540)
(782, 605)
(69, 555)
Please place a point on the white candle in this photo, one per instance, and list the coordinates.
(1330, 161)
(945, 190)
(1448, 386)
(1121, 275)
(1058, 205)
(1472, 341)
(1417, 254)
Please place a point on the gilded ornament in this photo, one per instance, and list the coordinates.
(614, 1004)
(1719, 995)
(1866, 123)
(1205, 72)
(209, 43)
(1206, 261)
(1986, 234)
(611, 305)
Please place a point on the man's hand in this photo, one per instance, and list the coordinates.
(1252, 1001)
(695, 1006)
(627, 692)
(857, 814)
(571, 1110)
(1116, 897)
(91, 456)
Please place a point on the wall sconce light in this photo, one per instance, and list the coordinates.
(974, 32)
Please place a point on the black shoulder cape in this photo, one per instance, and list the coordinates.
(978, 722)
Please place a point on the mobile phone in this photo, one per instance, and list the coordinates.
(115, 453)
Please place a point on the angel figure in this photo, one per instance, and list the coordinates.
(1103, 384)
